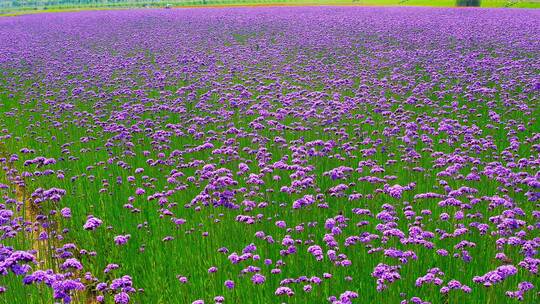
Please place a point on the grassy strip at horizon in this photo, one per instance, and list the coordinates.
(15, 10)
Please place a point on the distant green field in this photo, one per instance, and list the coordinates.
(7, 6)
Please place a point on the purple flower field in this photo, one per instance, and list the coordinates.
(270, 155)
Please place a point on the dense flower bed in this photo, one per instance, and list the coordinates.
(306, 155)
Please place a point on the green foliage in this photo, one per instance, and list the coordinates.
(58, 5)
(468, 3)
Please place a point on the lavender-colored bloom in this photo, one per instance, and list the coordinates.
(72, 263)
(121, 239)
(395, 135)
(111, 267)
(182, 279)
(121, 298)
(281, 224)
(496, 276)
(284, 291)
(258, 279)
(92, 223)
(66, 212)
